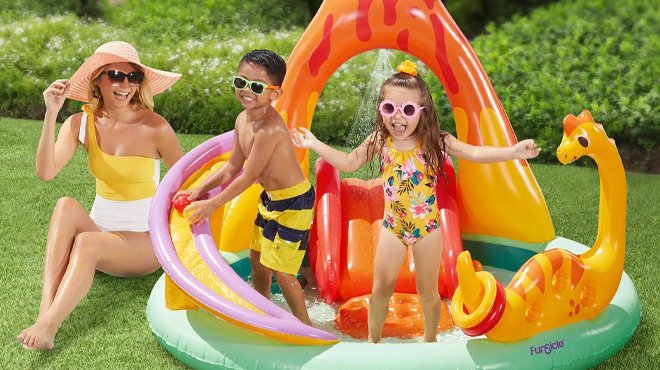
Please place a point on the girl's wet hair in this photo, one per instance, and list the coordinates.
(428, 130)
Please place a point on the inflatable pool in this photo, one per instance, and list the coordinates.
(554, 313)
(204, 342)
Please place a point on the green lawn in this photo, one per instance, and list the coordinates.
(109, 330)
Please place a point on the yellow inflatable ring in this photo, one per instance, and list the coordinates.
(472, 319)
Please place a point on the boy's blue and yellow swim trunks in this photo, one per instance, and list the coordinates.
(281, 230)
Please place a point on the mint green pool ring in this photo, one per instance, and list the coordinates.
(205, 342)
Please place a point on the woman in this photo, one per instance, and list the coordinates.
(125, 141)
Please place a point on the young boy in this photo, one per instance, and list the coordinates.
(263, 143)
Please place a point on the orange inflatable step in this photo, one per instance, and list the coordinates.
(404, 319)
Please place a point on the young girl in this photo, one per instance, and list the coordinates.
(411, 148)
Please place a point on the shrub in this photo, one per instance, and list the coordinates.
(36, 51)
(195, 20)
(599, 55)
(43, 8)
(472, 16)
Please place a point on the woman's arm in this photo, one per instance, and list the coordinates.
(488, 154)
(340, 160)
(167, 144)
(53, 155)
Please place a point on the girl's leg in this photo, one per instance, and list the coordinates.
(427, 254)
(125, 254)
(390, 255)
(69, 219)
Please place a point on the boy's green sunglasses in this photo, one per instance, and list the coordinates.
(256, 87)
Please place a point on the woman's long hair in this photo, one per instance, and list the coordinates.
(428, 130)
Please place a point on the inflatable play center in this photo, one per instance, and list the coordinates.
(521, 296)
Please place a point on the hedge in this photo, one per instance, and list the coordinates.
(600, 55)
(585, 54)
(36, 51)
(83, 8)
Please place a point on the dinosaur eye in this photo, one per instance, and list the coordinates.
(583, 141)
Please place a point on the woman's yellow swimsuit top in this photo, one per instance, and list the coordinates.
(121, 178)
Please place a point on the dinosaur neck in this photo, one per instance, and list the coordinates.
(610, 242)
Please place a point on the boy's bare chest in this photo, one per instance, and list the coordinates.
(246, 140)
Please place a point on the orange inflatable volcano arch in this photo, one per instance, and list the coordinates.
(342, 29)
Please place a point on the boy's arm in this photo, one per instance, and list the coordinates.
(488, 154)
(226, 172)
(338, 159)
(262, 149)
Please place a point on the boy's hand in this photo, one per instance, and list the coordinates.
(200, 211)
(304, 140)
(191, 193)
(525, 149)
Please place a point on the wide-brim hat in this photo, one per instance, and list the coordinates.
(117, 52)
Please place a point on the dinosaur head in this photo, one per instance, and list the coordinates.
(582, 136)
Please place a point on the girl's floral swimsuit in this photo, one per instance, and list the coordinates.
(411, 211)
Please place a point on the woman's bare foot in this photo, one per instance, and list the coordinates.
(21, 337)
(40, 335)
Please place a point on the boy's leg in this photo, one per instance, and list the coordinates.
(285, 239)
(293, 293)
(390, 255)
(427, 254)
(260, 274)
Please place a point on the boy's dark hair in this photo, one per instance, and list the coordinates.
(274, 64)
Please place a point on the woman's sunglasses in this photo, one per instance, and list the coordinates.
(256, 87)
(408, 110)
(116, 77)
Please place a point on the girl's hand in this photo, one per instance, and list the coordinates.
(525, 149)
(304, 140)
(55, 95)
(200, 211)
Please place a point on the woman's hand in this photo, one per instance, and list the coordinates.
(525, 149)
(304, 140)
(200, 211)
(55, 95)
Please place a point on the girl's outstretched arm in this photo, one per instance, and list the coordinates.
(350, 162)
(488, 154)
